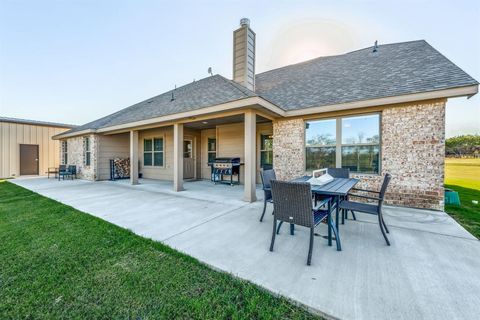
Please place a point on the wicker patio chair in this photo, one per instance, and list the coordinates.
(292, 203)
(267, 176)
(375, 209)
(338, 173)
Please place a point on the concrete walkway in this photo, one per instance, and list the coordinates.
(431, 271)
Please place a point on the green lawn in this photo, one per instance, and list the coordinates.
(57, 262)
(463, 176)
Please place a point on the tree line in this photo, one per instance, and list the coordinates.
(463, 146)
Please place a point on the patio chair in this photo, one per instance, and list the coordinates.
(292, 203)
(267, 176)
(375, 209)
(61, 170)
(67, 171)
(73, 171)
(338, 173)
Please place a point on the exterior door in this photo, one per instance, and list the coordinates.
(28, 159)
(188, 160)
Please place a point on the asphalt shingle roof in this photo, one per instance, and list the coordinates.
(394, 69)
(203, 93)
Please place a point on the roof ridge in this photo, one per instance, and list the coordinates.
(337, 55)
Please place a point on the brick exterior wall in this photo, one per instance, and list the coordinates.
(412, 151)
(289, 148)
(75, 157)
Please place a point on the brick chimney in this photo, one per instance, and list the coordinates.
(244, 55)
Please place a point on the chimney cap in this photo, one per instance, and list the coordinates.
(244, 22)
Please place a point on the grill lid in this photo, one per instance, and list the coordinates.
(227, 160)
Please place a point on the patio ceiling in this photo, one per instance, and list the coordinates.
(212, 123)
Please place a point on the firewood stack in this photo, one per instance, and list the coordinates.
(122, 167)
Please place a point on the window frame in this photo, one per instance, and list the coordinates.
(64, 152)
(270, 137)
(87, 153)
(153, 152)
(214, 152)
(338, 140)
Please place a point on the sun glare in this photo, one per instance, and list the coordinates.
(307, 39)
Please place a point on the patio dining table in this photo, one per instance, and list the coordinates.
(337, 188)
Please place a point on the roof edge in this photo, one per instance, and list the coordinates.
(228, 106)
(37, 123)
(465, 91)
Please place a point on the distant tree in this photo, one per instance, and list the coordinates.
(321, 140)
(460, 146)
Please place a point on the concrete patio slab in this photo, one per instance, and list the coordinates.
(429, 272)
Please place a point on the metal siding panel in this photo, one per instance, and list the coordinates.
(51, 148)
(5, 150)
(45, 162)
(13, 154)
(2, 174)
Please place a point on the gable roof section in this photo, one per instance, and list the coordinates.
(203, 93)
(392, 71)
(395, 69)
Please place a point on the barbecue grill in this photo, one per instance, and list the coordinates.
(222, 167)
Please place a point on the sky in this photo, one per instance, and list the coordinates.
(76, 61)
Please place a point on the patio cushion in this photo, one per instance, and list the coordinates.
(358, 206)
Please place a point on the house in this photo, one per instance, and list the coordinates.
(27, 148)
(375, 110)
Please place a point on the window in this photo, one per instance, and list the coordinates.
(187, 149)
(361, 144)
(212, 149)
(153, 152)
(64, 151)
(320, 144)
(348, 142)
(86, 151)
(266, 151)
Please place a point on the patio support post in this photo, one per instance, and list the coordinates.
(178, 157)
(250, 156)
(134, 157)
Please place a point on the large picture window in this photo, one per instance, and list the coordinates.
(347, 142)
(153, 152)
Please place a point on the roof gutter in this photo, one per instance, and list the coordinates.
(468, 91)
(72, 134)
(229, 106)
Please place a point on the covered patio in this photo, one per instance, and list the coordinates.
(429, 272)
(184, 150)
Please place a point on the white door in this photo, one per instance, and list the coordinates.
(188, 160)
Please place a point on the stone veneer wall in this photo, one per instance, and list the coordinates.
(289, 148)
(412, 151)
(75, 156)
